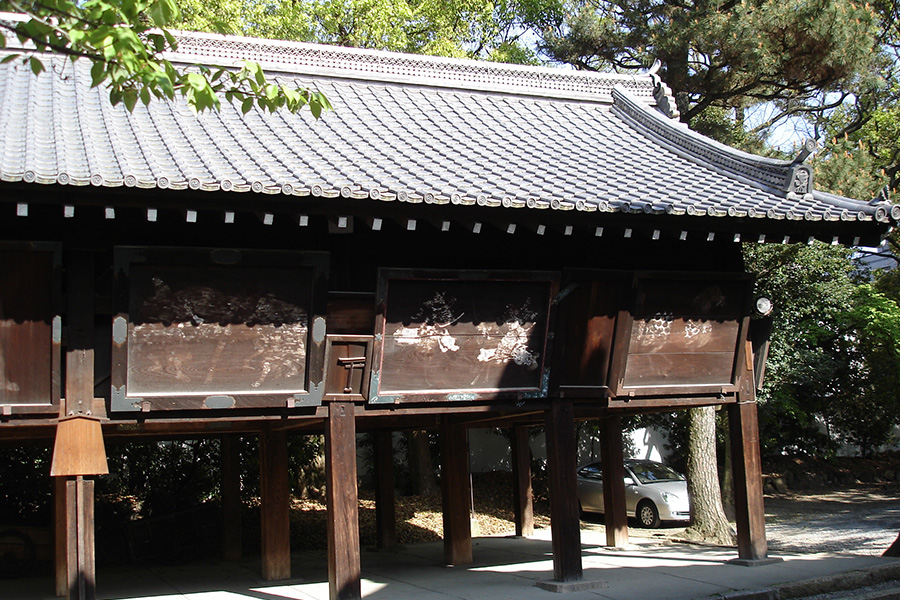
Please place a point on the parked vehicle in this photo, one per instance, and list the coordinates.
(653, 492)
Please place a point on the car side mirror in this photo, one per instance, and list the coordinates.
(629, 481)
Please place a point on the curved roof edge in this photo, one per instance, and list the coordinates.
(790, 180)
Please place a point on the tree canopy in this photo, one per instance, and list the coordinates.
(478, 29)
(125, 40)
(724, 53)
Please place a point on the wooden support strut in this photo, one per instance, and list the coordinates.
(385, 506)
(565, 524)
(455, 493)
(749, 511)
(522, 490)
(344, 576)
(275, 519)
(612, 456)
(79, 518)
(231, 498)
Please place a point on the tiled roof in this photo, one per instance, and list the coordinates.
(409, 129)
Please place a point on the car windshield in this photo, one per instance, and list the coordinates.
(650, 472)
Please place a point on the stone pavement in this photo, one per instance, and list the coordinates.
(506, 568)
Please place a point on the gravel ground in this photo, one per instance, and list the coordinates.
(859, 520)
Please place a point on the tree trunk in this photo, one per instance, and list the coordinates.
(708, 522)
(894, 550)
(728, 475)
(421, 468)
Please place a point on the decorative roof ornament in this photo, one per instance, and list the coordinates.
(661, 93)
(800, 183)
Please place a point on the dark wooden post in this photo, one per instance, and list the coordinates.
(522, 491)
(78, 449)
(565, 523)
(231, 498)
(748, 493)
(60, 538)
(611, 454)
(385, 508)
(456, 493)
(80, 539)
(343, 503)
(275, 520)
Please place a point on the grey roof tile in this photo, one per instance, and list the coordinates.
(529, 138)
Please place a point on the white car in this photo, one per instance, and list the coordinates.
(653, 492)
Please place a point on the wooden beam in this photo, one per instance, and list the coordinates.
(274, 492)
(611, 453)
(231, 498)
(343, 503)
(565, 524)
(60, 537)
(750, 518)
(385, 506)
(80, 567)
(523, 495)
(456, 493)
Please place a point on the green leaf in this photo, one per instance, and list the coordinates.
(246, 105)
(9, 58)
(163, 12)
(130, 98)
(37, 67)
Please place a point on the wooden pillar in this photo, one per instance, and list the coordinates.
(343, 503)
(78, 449)
(60, 538)
(80, 568)
(274, 492)
(612, 456)
(522, 491)
(456, 493)
(231, 498)
(565, 523)
(748, 493)
(385, 508)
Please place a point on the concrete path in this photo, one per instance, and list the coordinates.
(505, 568)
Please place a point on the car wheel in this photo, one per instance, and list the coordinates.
(647, 514)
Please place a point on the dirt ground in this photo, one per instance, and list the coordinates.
(862, 520)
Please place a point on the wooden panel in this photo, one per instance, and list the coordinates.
(682, 334)
(462, 336)
(26, 340)
(351, 314)
(347, 364)
(588, 312)
(218, 329)
(661, 370)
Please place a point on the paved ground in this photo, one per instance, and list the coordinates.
(505, 569)
(826, 541)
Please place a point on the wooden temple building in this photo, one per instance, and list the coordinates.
(457, 244)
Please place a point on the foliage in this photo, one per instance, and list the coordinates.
(26, 490)
(724, 53)
(834, 356)
(125, 40)
(478, 29)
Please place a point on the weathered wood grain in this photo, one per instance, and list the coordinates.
(342, 502)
